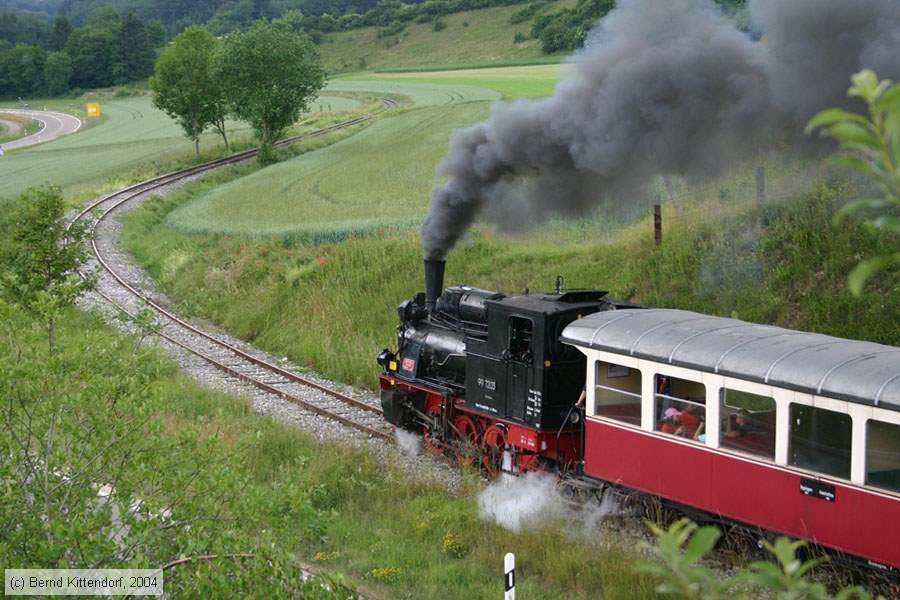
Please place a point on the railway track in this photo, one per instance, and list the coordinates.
(126, 289)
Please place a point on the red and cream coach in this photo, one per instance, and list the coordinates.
(792, 432)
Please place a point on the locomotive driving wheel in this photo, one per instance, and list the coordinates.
(466, 444)
(433, 438)
(494, 445)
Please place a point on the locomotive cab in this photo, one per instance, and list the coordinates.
(520, 372)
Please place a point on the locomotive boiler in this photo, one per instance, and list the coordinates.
(485, 376)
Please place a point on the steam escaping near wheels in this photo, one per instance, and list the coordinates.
(409, 444)
(659, 88)
(533, 499)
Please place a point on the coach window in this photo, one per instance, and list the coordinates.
(820, 440)
(617, 394)
(748, 422)
(680, 407)
(883, 455)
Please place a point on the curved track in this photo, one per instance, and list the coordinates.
(240, 363)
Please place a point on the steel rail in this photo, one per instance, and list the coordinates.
(122, 196)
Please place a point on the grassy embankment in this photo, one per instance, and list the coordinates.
(474, 38)
(240, 484)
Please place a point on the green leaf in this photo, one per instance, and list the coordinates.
(856, 134)
(887, 222)
(833, 116)
(889, 101)
(701, 543)
(857, 205)
(853, 162)
(865, 85)
(864, 270)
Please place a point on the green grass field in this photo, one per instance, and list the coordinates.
(529, 81)
(379, 178)
(131, 139)
(392, 163)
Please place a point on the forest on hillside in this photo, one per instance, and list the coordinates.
(51, 47)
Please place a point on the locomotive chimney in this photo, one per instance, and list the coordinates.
(434, 282)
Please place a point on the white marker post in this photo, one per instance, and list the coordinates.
(509, 577)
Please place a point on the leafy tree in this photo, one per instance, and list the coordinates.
(239, 16)
(41, 257)
(62, 29)
(156, 32)
(26, 70)
(871, 146)
(185, 88)
(269, 74)
(137, 50)
(57, 72)
(566, 29)
(22, 28)
(5, 60)
(96, 52)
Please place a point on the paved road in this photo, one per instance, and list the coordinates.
(56, 124)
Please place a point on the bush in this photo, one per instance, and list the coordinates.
(680, 549)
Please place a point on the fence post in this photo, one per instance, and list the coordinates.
(657, 223)
(509, 576)
(760, 185)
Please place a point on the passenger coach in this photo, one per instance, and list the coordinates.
(792, 432)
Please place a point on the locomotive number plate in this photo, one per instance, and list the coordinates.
(487, 384)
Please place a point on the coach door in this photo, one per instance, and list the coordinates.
(520, 371)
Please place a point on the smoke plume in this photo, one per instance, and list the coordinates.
(667, 87)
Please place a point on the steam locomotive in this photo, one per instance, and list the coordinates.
(485, 375)
(789, 432)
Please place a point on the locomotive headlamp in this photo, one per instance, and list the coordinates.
(386, 360)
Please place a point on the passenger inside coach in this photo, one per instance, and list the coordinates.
(671, 421)
(743, 425)
(680, 399)
(691, 421)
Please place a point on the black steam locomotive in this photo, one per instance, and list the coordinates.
(485, 376)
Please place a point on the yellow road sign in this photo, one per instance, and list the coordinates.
(93, 109)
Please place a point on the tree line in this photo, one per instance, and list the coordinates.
(107, 50)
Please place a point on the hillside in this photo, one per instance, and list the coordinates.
(481, 37)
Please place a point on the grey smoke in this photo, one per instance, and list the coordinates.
(661, 87)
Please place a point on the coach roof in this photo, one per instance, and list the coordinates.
(862, 372)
